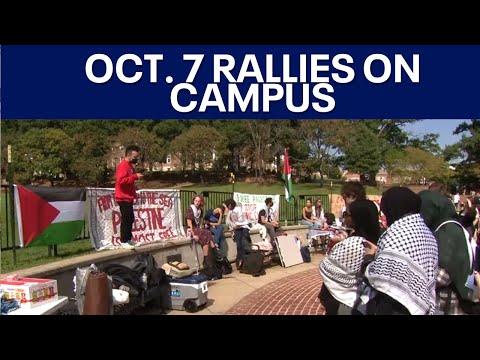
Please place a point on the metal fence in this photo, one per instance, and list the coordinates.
(289, 212)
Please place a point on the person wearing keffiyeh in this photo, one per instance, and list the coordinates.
(405, 266)
(454, 249)
(194, 229)
(340, 270)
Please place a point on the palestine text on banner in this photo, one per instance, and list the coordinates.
(158, 217)
(49, 216)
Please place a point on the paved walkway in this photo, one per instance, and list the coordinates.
(282, 291)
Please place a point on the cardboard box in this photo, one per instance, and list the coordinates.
(31, 292)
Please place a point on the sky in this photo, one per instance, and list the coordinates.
(443, 127)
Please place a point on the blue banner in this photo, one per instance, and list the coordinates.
(240, 82)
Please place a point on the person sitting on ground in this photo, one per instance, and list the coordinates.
(308, 218)
(265, 218)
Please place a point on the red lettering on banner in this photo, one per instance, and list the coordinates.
(105, 203)
(116, 240)
(157, 219)
(116, 220)
(139, 223)
(165, 200)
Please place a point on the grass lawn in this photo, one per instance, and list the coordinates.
(35, 255)
(38, 255)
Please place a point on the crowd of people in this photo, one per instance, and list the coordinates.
(415, 254)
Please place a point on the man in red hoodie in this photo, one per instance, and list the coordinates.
(125, 193)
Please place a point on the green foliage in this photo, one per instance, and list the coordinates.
(413, 165)
(89, 149)
(428, 142)
(45, 152)
(152, 147)
(196, 146)
(364, 153)
(468, 151)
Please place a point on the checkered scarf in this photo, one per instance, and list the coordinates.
(340, 270)
(406, 265)
(344, 261)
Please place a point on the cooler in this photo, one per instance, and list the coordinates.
(189, 293)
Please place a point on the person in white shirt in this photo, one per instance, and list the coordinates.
(456, 200)
(237, 221)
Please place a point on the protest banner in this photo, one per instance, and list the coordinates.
(157, 217)
(253, 203)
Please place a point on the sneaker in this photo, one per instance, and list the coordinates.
(129, 245)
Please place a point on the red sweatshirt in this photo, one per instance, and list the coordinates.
(125, 182)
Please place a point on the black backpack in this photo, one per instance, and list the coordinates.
(211, 267)
(253, 264)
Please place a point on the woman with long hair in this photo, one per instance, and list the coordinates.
(194, 219)
(341, 269)
(309, 218)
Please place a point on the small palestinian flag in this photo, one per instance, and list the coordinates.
(49, 216)
(287, 176)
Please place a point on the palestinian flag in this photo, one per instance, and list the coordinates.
(49, 216)
(287, 176)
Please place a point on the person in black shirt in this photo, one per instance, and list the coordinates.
(266, 219)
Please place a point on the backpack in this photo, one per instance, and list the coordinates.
(470, 243)
(253, 264)
(305, 251)
(469, 307)
(211, 267)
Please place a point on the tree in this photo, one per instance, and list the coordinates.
(152, 148)
(88, 160)
(367, 150)
(43, 153)
(236, 138)
(428, 142)
(413, 165)
(260, 137)
(325, 138)
(198, 147)
(364, 153)
(468, 150)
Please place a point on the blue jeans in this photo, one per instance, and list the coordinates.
(217, 231)
(218, 234)
(311, 226)
(243, 241)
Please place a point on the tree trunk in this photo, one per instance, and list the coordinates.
(236, 160)
(279, 169)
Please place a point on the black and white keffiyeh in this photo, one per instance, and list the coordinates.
(406, 265)
(197, 213)
(340, 270)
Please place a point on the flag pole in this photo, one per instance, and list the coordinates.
(12, 202)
